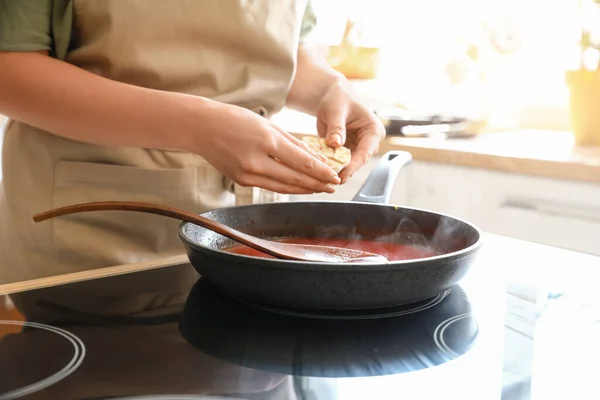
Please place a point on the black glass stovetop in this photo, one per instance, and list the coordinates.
(213, 345)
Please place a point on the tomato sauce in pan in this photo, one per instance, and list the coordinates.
(392, 251)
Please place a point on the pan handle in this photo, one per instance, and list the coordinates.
(378, 186)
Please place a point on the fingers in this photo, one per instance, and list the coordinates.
(301, 161)
(294, 179)
(333, 120)
(368, 144)
(303, 145)
(273, 185)
(287, 166)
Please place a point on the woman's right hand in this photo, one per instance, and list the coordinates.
(253, 151)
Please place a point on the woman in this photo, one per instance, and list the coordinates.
(160, 101)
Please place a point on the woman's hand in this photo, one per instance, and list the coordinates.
(342, 120)
(253, 151)
(319, 90)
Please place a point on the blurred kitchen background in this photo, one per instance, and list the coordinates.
(495, 100)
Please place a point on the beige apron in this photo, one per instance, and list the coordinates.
(237, 51)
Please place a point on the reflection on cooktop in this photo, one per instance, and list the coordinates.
(386, 312)
(239, 333)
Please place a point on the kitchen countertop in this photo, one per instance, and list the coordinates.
(535, 307)
(547, 154)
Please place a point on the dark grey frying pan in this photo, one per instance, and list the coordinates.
(325, 286)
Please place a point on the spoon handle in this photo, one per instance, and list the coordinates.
(157, 209)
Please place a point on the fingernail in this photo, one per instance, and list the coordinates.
(330, 188)
(335, 139)
(346, 179)
(335, 179)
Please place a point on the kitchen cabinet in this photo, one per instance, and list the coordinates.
(549, 211)
(554, 212)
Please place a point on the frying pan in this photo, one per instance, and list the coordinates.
(328, 286)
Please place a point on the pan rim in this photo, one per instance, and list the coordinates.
(282, 263)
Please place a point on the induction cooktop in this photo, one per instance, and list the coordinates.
(218, 346)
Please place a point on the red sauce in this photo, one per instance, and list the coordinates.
(392, 251)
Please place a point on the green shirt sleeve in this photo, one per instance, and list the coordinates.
(25, 25)
(309, 22)
(34, 25)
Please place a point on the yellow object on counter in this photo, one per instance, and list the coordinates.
(352, 60)
(584, 106)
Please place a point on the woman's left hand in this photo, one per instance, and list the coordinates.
(342, 120)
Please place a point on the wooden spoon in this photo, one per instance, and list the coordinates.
(289, 251)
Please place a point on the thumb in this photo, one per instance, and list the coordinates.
(335, 120)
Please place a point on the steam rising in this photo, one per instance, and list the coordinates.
(446, 236)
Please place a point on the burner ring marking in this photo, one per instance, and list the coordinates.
(78, 356)
(438, 334)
